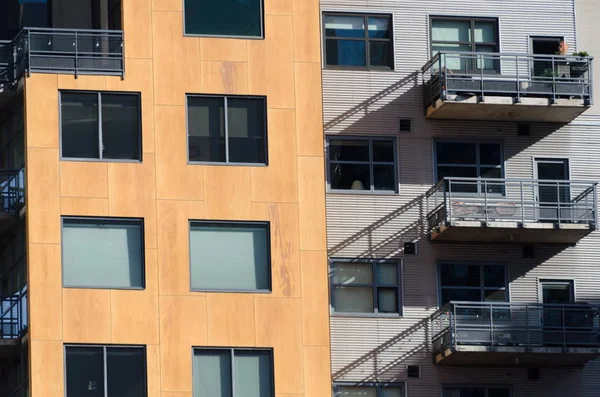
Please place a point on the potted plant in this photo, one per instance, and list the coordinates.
(581, 65)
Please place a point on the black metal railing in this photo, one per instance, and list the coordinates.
(13, 315)
(73, 51)
(512, 200)
(503, 74)
(12, 190)
(498, 324)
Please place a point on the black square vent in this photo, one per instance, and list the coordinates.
(405, 125)
(410, 248)
(413, 371)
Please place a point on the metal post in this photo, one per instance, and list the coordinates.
(485, 201)
(449, 202)
(553, 81)
(481, 60)
(27, 49)
(590, 80)
(564, 331)
(522, 205)
(76, 56)
(491, 324)
(558, 201)
(444, 75)
(453, 323)
(595, 204)
(518, 100)
(527, 336)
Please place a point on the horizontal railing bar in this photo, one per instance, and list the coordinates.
(60, 30)
(450, 178)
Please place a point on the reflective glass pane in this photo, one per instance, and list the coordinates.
(121, 126)
(495, 295)
(84, 371)
(459, 172)
(498, 392)
(350, 176)
(223, 17)
(355, 391)
(349, 150)
(253, 373)
(494, 276)
(386, 273)
(456, 153)
(379, 27)
(126, 372)
(487, 62)
(392, 392)
(353, 299)
(212, 373)
(456, 274)
(387, 299)
(455, 63)
(352, 273)
(380, 53)
(215, 265)
(461, 295)
(102, 253)
(345, 52)
(490, 154)
(445, 30)
(485, 32)
(246, 126)
(344, 26)
(79, 125)
(385, 177)
(206, 129)
(383, 151)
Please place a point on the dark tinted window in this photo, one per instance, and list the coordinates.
(80, 128)
(223, 17)
(227, 129)
(473, 282)
(358, 41)
(115, 127)
(89, 368)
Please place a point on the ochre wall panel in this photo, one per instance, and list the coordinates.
(83, 179)
(45, 290)
(230, 319)
(86, 315)
(167, 192)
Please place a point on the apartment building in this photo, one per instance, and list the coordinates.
(462, 167)
(162, 199)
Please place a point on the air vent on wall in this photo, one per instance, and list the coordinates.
(410, 248)
(405, 125)
(529, 251)
(413, 371)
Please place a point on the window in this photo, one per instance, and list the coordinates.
(359, 41)
(103, 253)
(486, 282)
(477, 391)
(105, 371)
(365, 286)
(233, 18)
(233, 373)
(369, 390)
(100, 125)
(450, 34)
(470, 160)
(216, 266)
(362, 164)
(227, 129)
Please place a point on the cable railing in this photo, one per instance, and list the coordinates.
(13, 315)
(73, 51)
(512, 200)
(503, 324)
(502, 74)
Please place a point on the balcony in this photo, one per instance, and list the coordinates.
(13, 323)
(71, 51)
(515, 334)
(511, 210)
(507, 87)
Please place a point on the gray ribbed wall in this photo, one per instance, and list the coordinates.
(371, 103)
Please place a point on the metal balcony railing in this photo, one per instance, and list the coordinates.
(512, 200)
(498, 324)
(12, 190)
(504, 74)
(13, 315)
(48, 50)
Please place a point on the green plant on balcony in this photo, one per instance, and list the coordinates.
(581, 65)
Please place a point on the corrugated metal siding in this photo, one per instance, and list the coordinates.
(371, 103)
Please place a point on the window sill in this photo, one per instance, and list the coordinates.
(227, 164)
(360, 68)
(84, 160)
(238, 291)
(110, 288)
(363, 192)
(367, 315)
(223, 36)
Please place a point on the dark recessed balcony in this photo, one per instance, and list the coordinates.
(511, 210)
(71, 51)
(515, 334)
(507, 87)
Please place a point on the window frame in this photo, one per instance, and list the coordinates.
(104, 348)
(374, 285)
(262, 27)
(371, 164)
(485, 386)
(228, 223)
(478, 165)
(482, 288)
(226, 130)
(99, 97)
(366, 39)
(472, 21)
(377, 385)
(232, 351)
(109, 220)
